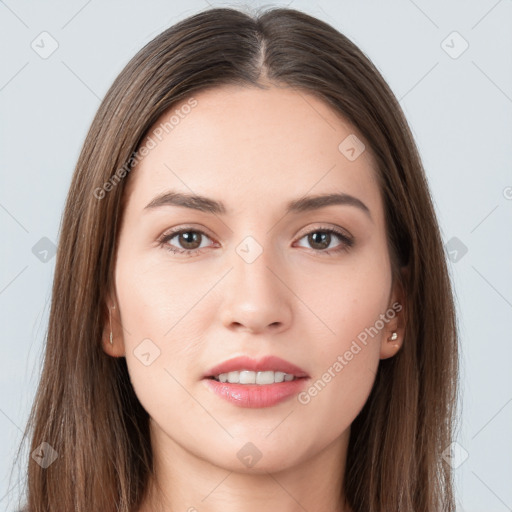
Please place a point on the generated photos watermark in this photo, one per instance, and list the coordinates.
(304, 397)
(151, 142)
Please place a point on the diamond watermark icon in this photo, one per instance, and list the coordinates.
(454, 45)
(44, 45)
(351, 147)
(455, 455)
(45, 455)
(456, 249)
(44, 249)
(249, 455)
(146, 352)
(249, 249)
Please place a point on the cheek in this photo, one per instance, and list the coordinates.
(346, 362)
(154, 295)
(348, 298)
(355, 305)
(160, 331)
(347, 348)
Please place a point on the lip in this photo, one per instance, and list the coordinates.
(268, 363)
(254, 395)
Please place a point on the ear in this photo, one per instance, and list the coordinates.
(112, 324)
(396, 315)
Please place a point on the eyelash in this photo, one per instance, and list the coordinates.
(347, 242)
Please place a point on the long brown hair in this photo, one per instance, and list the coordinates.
(85, 407)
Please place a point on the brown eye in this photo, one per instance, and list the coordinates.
(319, 242)
(189, 239)
(320, 239)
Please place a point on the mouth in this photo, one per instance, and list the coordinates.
(265, 371)
(249, 383)
(250, 377)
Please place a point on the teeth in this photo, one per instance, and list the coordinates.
(249, 377)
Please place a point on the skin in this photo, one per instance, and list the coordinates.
(247, 148)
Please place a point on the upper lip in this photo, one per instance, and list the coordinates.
(268, 363)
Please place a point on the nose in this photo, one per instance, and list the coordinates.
(256, 295)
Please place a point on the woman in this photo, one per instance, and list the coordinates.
(251, 303)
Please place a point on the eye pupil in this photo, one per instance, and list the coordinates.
(186, 239)
(325, 238)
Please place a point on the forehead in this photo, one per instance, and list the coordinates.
(245, 142)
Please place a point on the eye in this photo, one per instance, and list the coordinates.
(190, 240)
(321, 243)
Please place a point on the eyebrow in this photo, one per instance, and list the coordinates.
(208, 205)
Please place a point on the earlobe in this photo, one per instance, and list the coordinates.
(112, 340)
(394, 335)
(110, 322)
(391, 345)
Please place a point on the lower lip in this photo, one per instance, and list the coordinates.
(254, 395)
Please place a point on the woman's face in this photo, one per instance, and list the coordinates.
(253, 277)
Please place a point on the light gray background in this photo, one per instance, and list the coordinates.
(459, 109)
